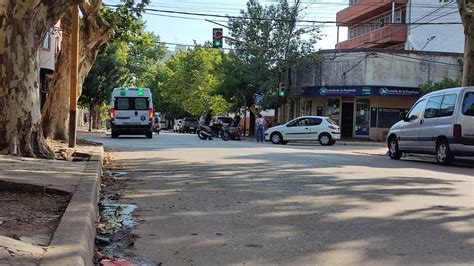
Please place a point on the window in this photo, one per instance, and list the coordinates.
(331, 122)
(333, 109)
(432, 107)
(141, 104)
(122, 104)
(315, 121)
(448, 105)
(468, 104)
(125, 103)
(47, 41)
(415, 112)
(299, 123)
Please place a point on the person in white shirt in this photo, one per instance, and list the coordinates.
(260, 128)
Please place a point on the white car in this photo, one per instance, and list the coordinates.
(305, 128)
(440, 123)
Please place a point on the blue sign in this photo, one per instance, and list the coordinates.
(360, 91)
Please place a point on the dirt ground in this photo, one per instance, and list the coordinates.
(30, 216)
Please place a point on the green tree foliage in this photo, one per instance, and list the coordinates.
(269, 43)
(190, 83)
(123, 64)
(445, 83)
(267, 40)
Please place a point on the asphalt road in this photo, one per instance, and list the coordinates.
(220, 203)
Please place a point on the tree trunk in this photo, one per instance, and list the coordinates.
(89, 120)
(251, 123)
(94, 117)
(467, 18)
(23, 27)
(94, 33)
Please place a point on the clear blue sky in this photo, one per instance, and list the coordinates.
(185, 29)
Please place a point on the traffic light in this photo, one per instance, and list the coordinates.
(217, 37)
(281, 91)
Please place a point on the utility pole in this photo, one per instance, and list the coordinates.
(74, 76)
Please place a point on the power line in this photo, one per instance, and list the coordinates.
(276, 19)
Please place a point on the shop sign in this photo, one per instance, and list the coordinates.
(360, 91)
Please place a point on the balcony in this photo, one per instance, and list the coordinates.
(387, 36)
(365, 9)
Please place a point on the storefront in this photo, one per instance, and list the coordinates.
(361, 111)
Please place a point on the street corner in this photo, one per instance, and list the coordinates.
(47, 200)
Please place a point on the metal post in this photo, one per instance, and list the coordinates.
(393, 12)
(337, 41)
(74, 76)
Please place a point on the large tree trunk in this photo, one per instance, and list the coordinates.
(467, 18)
(23, 27)
(93, 34)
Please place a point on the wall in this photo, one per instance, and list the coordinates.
(379, 67)
(48, 53)
(447, 38)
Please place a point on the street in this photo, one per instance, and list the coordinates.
(220, 203)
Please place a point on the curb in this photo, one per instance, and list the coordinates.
(73, 241)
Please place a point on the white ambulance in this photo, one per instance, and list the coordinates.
(131, 112)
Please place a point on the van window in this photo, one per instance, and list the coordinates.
(432, 107)
(141, 104)
(122, 104)
(447, 107)
(415, 112)
(131, 103)
(468, 104)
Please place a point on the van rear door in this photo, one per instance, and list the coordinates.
(132, 111)
(466, 119)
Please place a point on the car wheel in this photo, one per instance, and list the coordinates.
(325, 139)
(276, 138)
(444, 155)
(393, 150)
(149, 135)
(114, 135)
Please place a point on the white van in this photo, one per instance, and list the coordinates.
(440, 123)
(131, 112)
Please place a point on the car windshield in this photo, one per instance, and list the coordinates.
(331, 121)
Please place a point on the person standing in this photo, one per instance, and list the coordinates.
(260, 126)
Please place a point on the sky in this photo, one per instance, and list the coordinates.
(185, 29)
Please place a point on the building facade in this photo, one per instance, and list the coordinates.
(419, 25)
(365, 90)
(48, 53)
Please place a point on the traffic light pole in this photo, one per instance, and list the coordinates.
(74, 76)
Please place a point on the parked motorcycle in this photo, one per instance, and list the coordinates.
(214, 131)
(232, 133)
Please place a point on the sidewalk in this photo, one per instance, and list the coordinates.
(72, 241)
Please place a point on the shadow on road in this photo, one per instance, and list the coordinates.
(314, 208)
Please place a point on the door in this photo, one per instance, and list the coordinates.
(315, 127)
(298, 129)
(132, 111)
(347, 120)
(428, 123)
(466, 119)
(409, 131)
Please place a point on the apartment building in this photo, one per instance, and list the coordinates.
(48, 53)
(417, 25)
